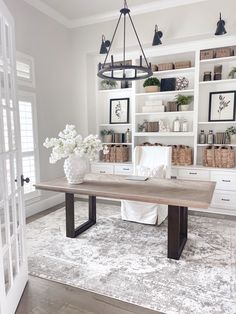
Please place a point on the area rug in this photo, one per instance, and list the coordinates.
(127, 261)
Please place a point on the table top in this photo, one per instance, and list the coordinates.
(197, 194)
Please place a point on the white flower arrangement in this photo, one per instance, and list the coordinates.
(71, 143)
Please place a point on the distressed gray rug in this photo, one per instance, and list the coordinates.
(128, 261)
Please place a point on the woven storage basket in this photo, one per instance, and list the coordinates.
(122, 154)
(113, 154)
(182, 155)
(106, 157)
(223, 52)
(207, 54)
(182, 64)
(209, 157)
(165, 66)
(224, 157)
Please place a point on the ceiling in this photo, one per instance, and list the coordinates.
(75, 13)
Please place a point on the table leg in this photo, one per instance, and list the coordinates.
(71, 231)
(177, 230)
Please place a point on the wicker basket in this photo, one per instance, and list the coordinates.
(112, 154)
(165, 66)
(182, 155)
(182, 64)
(234, 51)
(207, 54)
(223, 52)
(219, 157)
(122, 153)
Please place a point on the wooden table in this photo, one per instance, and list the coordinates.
(177, 194)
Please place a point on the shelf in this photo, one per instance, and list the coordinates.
(117, 90)
(166, 113)
(112, 163)
(217, 60)
(217, 82)
(174, 71)
(205, 145)
(114, 125)
(164, 134)
(128, 144)
(174, 92)
(216, 122)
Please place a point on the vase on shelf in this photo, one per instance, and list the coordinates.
(152, 89)
(75, 168)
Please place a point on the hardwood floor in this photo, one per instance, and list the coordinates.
(47, 297)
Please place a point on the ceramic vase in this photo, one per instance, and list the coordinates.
(75, 168)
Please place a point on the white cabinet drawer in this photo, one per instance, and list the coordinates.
(194, 174)
(224, 180)
(224, 200)
(103, 169)
(123, 169)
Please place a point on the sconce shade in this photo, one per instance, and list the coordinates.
(220, 30)
(157, 37)
(104, 45)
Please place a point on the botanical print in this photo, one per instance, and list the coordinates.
(119, 110)
(222, 106)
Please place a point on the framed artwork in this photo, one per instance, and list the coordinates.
(222, 106)
(119, 110)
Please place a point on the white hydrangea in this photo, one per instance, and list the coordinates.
(71, 143)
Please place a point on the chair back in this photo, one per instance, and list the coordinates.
(152, 157)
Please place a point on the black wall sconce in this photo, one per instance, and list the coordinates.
(104, 45)
(157, 37)
(220, 30)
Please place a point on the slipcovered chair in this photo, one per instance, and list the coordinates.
(150, 161)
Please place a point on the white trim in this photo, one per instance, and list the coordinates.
(109, 16)
(22, 57)
(39, 204)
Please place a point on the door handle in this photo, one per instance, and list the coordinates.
(24, 180)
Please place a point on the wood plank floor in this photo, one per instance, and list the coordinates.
(47, 297)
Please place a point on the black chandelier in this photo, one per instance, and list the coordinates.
(108, 70)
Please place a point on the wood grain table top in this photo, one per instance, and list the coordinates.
(196, 194)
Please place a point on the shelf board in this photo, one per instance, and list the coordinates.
(117, 90)
(114, 125)
(174, 71)
(166, 113)
(128, 144)
(217, 60)
(164, 134)
(217, 82)
(216, 122)
(174, 92)
(205, 145)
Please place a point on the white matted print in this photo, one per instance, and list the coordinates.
(119, 110)
(222, 106)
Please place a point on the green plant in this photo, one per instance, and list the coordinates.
(183, 100)
(231, 131)
(232, 73)
(152, 81)
(106, 132)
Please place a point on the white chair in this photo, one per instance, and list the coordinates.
(152, 161)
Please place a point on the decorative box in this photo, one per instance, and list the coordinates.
(168, 84)
(234, 51)
(153, 126)
(153, 108)
(165, 66)
(207, 54)
(223, 52)
(182, 64)
(156, 102)
(171, 106)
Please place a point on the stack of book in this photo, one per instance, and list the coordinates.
(153, 106)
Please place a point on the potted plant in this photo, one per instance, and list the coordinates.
(76, 151)
(183, 102)
(232, 73)
(151, 85)
(108, 84)
(107, 135)
(231, 133)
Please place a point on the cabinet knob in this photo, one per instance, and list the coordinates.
(226, 181)
(195, 173)
(225, 200)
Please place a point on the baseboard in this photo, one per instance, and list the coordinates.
(41, 204)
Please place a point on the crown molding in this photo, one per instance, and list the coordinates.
(47, 10)
(109, 16)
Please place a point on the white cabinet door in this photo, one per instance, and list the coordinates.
(13, 262)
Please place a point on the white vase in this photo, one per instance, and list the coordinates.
(233, 138)
(75, 168)
(183, 107)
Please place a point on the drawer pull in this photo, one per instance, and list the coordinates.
(226, 181)
(195, 173)
(126, 169)
(102, 171)
(225, 199)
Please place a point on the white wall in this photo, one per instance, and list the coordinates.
(180, 22)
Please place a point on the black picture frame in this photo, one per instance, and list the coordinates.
(114, 117)
(219, 101)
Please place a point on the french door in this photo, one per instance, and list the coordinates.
(13, 262)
